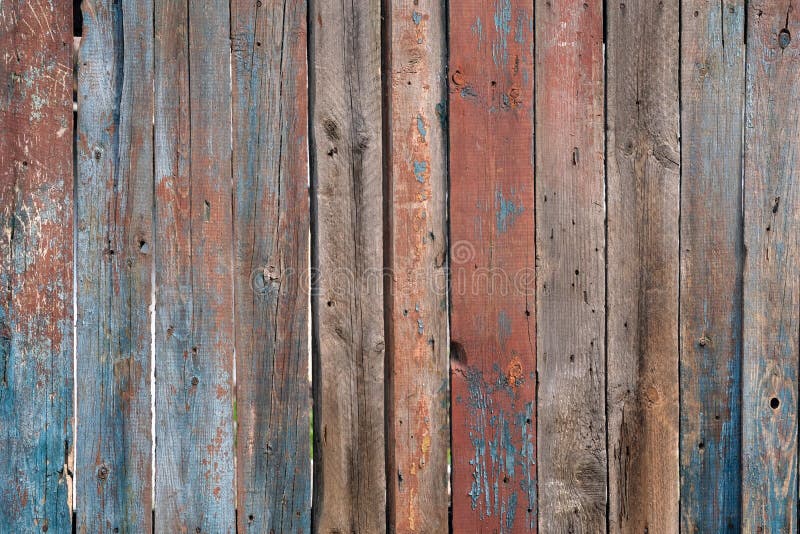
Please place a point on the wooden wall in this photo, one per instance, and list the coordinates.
(399, 266)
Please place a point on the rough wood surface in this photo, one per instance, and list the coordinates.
(347, 300)
(271, 222)
(570, 251)
(712, 254)
(416, 247)
(771, 284)
(35, 266)
(114, 206)
(643, 191)
(194, 253)
(493, 258)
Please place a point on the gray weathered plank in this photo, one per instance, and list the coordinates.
(271, 220)
(712, 255)
(416, 248)
(35, 266)
(194, 488)
(570, 252)
(643, 177)
(114, 206)
(347, 302)
(771, 281)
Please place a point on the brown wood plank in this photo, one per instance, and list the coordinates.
(271, 219)
(570, 252)
(493, 257)
(416, 248)
(36, 266)
(194, 251)
(114, 205)
(712, 256)
(643, 177)
(771, 281)
(347, 302)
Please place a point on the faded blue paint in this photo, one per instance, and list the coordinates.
(503, 328)
(502, 24)
(477, 30)
(421, 126)
(420, 168)
(416, 16)
(420, 326)
(506, 211)
(500, 468)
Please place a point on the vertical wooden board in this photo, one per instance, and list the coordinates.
(493, 259)
(271, 224)
(114, 206)
(347, 301)
(643, 192)
(416, 248)
(570, 253)
(194, 280)
(771, 285)
(712, 255)
(35, 266)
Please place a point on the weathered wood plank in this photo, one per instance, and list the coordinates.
(114, 206)
(771, 284)
(271, 224)
(194, 254)
(35, 266)
(570, 251)
(712, 254)
(492, 247)
(347, 304)
(416, 248)
(643, 177)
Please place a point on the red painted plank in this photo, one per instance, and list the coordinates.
(570, 251)
(35, 266)
(492, 251)
(416, 247)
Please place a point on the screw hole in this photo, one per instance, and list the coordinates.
(774, 403)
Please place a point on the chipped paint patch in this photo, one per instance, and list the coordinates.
(421, 127)
(506, 211)
(502, 24)
(420, 168)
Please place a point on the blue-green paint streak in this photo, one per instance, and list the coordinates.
(506, 211)
(421, 126)
(416, 16)
(502, 23)
(420, 168)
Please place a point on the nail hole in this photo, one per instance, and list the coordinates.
(784, 38)
(774, 403)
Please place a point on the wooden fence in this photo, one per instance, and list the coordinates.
(544, 255)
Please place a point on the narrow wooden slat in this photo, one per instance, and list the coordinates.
(771, 284)
(643, 177)
(114, 204)
(570, 251)
(492, 248)
(35, 266)
(712, 100)
(271, 221)
(194, 251)
(416, 248)
(347, 302)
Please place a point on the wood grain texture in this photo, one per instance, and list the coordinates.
(194, 254)
(643, 177)
(493, 350)
(570, 252)
(114, 205)
(712, 255)
(771, 285)
(36, 266)
(416, 247)
(271, 221)
(347, 301)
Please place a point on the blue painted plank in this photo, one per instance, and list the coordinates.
(712, 256)
(194, 488)
(36, 266)
(114, 205)
(771, 281)
(271, 225)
